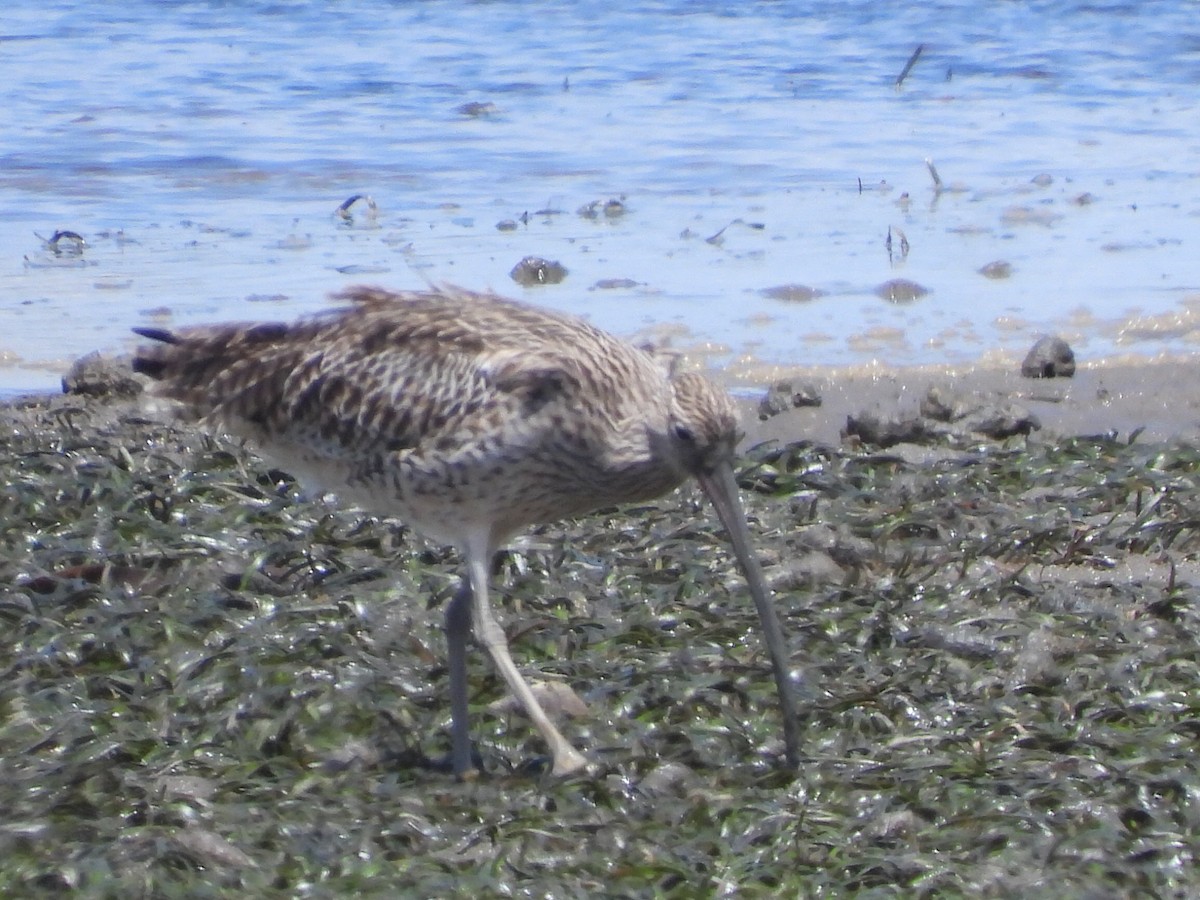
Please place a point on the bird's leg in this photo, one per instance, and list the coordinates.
(458, 631)
(489, 633)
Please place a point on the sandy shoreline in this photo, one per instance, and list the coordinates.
(1161, 397)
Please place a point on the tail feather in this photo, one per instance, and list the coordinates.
(152, 361)
(159, 334)
(232, 370)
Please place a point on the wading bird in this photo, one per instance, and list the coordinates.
(470, 417)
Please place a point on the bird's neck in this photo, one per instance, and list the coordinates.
(638, 464)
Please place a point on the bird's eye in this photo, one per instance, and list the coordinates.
(684, 434)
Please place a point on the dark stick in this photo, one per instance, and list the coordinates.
(912, 61)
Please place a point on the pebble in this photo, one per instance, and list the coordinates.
(1050, 357)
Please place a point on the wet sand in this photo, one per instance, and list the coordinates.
(1161, 397)
(1158, 398)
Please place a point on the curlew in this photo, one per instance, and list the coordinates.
(470, 417)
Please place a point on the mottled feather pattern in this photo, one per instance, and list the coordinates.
(424, 393)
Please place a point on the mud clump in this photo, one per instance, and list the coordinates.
(785, 395)
(99, 376)
(533, 270)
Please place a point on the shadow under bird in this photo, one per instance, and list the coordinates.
(470, 417)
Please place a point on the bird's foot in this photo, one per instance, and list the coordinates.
(445, 763)
(568, 761)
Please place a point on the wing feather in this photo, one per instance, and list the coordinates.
(391, 371)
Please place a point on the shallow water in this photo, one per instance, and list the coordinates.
(202, 149)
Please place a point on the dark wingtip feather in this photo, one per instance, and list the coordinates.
(158, 334)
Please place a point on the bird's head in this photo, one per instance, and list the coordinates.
(702, 425)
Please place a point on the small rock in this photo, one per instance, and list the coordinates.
(943, 406)
(1051, 357)
(893, 825)
(611, 209)
(958, 641)
(1034, 663)
(95, 375)
(872, 428)
(208, 849)
(803, 570)
(1029, 215)
(354, 754)
(668, 779)
(839, 543)
(783, 395)
(1003, 421)
(792, 293)
(477, 109)
(191, 788)
(996, 270)
(978, 414)
(901, 290)
(534, 270)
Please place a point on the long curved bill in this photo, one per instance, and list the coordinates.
(722, 490)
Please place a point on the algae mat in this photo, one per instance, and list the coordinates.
(213, 687)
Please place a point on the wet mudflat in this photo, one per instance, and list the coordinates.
(695, 171)
(215, 687)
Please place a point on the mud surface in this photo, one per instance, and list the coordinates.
(1162, 398)
(214, 686)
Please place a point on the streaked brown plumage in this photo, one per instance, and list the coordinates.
(470, 417)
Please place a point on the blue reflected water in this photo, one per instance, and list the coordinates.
(202, 148)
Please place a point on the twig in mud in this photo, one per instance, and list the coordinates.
(933, 173)
(63, 243)
(345, 211)
(719, 236)
(903, 244)
(912, 61)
